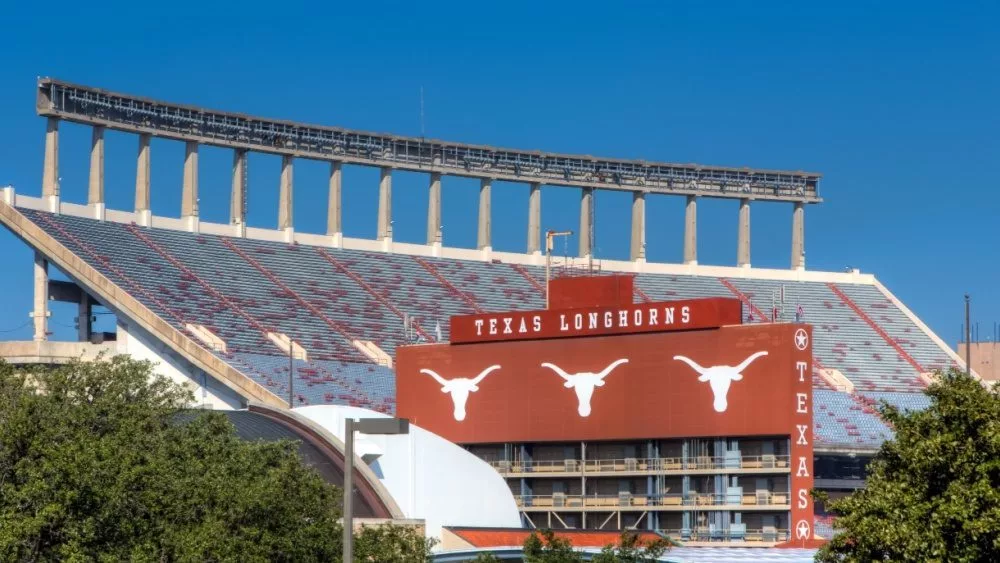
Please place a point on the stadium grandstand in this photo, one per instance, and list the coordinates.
(245, 315)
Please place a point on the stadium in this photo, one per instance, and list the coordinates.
(335, 327)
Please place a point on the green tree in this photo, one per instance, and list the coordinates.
(486, 557)
(94, 466)
(546, 547)
(633, 549)
(397, 544)
(933, 492)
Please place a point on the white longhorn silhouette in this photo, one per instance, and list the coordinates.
(584, 383)
(720, 377)
(459, 388)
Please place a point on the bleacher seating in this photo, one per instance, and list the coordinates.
(902, 401)
(325, 298)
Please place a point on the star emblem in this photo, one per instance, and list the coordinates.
(802, 530)
(801, 339)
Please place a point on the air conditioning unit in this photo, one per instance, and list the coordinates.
(631, 464)
(503, 466)
(571, 465)
(768, 460)
(559, 499)
(624, 499)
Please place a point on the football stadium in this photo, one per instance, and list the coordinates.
(544, 390)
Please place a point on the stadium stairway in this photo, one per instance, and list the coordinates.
(326, 299)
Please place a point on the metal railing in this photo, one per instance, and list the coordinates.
(650, 465)
(702, 534)
(628, 500)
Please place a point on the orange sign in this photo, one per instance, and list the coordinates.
(593, 321)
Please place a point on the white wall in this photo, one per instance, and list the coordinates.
(429, 477)
(208, 392)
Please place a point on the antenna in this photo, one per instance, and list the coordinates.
(423, 131)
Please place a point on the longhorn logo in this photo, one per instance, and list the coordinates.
(584, 383)
(720, 378)
(459, 388)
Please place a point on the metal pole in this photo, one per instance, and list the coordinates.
(348, 490)
(548, 264)
(291, 374)
(968, 341)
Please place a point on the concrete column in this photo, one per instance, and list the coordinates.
(142, 181)
(237, 201)
(83, 317)
(385, 205)
(50, 171)
(586, 204)
(189, 194)
(285, 221)
(535, 219)
(691, 230)
(334, 217)
(638, 226)
(799, 236)
(743, 235)
(484, 238)
(41, 312)
(434, 210)
(95, 189)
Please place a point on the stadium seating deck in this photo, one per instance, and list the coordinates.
(326, 298)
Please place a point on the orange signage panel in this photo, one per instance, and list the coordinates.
(593, 321)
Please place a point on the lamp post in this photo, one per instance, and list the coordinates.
(364, 426)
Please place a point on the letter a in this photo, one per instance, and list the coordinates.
(803, 470)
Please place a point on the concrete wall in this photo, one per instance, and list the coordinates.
(208, 392)
(985, 357)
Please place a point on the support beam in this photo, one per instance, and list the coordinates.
(535, 219)
(434, 210)
(285, 219)
(638, 226)
(50, 172)
(238, 199)
(691, 230)
(142, 181)
(334, 217)
(95, 188)
(83, 317)
(41, 311)
(189, 193)
(484, 238)
(385, 205)
(743, 235)
(586, 211)
(799, 236)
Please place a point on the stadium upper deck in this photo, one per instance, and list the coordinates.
(225, 303)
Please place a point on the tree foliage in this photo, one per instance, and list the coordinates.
(94, 466)
(933, 493)
(547, 547)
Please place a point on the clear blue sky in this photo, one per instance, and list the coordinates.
(895, 103)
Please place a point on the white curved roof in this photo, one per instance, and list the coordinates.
(429, 477)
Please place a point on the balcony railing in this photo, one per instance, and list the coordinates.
(643, 465)
(628, 500)
(702, 534)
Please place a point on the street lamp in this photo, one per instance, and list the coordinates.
(364, 426)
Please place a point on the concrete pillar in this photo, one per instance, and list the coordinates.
(434, 210)
(95, 188)
(691, 230)
(385, 205)
(50, 171)
(638, 226)
(83, 317)
(799, 236)
(285, 220)
(41, 311)
(743, 235)
(535, 219)
(484, 238)
(237, 201)
(189, 193)
(334, 217)
(142, 181)
(586, 207)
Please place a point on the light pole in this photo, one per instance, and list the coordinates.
(364, 426)
(549, 235)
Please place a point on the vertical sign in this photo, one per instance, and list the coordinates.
(801, 525)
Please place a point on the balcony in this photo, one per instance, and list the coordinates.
(704, 465)
(760, 500)
(736, 533)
